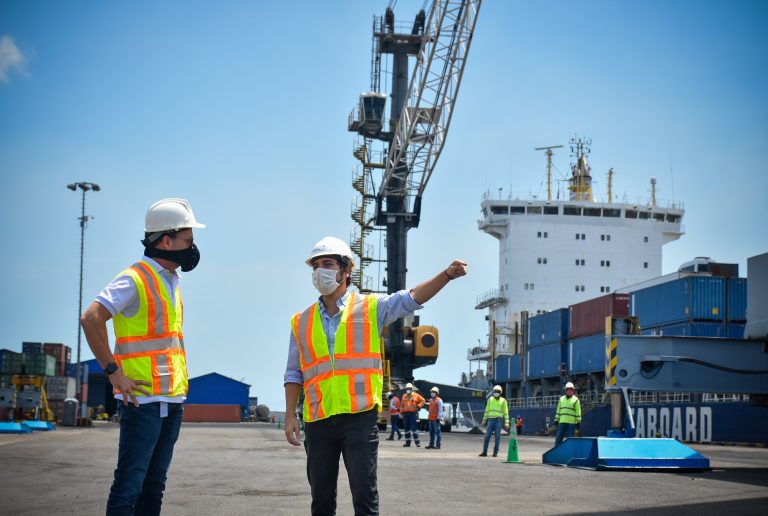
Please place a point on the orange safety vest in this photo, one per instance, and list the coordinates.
(394, 406)
(150, 346)
(412, 402)
(433, 406)
(351, 380)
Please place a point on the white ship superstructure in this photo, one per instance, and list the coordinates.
(554, 253)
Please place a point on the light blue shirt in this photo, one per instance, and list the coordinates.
(390, 308)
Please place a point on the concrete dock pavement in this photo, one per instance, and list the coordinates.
(249, 469)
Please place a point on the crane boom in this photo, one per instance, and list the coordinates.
(423, 124)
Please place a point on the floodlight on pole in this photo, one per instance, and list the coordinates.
(84, 187)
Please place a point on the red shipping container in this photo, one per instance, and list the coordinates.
(212, 413)
(588, 317)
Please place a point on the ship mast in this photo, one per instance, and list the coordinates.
(581, 179)
(549, 154)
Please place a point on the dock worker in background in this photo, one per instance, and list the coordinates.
(148, 368)
(496, 416)
(334, 356)
(394, 416)
(435, 418)
(518, 425)
(411, 404)
(568, 415)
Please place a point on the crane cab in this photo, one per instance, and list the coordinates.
(372, 111)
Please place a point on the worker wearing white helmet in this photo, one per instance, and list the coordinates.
(435, 419)
(411, 404)
(334, 357)
(145, 306)
(394, 416)
(496, 416)
(568, 415)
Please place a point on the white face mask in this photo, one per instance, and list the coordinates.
(433, 394)
(408, 391)
(496, 394)
(324, 280)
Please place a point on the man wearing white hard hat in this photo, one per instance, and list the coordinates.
(334, 358)
(568, 415)
(148, 368)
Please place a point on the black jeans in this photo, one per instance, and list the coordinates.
(356, 438)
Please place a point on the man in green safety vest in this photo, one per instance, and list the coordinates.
(496, 415)
(568, 415)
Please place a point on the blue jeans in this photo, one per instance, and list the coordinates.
(410, 425)
(143, 458)
(394, 419)
(494, 426)
(434, 432)
(564, 430)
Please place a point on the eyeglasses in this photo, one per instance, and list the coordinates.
(188, 240)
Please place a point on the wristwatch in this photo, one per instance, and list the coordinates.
(111, 368)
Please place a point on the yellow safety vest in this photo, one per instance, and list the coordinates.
(351, 380)
(150, 346)
(496, 408)
(568, 410)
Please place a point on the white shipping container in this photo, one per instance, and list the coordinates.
(60, 387)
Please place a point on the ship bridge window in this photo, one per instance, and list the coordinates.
(611, 212)
(499, 210)
(658, 216)
(571, 210)
(550, 210)
(592, 212)
(672, 217)
(533, 210)
(630, 214)
(645, 214)
(517, 210)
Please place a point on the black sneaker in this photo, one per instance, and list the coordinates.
(437, 447)
(483, 455)
(418, 445)
(495, 454)
(429, 447)
(390, 438)
(399, 436)
(407, 445)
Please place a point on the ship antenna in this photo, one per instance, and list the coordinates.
(549, 154)
(653, 192)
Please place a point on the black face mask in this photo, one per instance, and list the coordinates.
(186, 258)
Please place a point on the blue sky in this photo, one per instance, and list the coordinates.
(241, 107)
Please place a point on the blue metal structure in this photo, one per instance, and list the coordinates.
(217, 389)
(14, 428)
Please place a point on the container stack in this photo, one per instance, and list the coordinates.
(586, 331)
(62, 354)
(546, 338)
(694, 306)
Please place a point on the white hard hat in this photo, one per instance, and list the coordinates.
(570, 385)
(409, 386)
(497, 388)
(435, 389)
(170, 215)
(388, 394)
(331, 246)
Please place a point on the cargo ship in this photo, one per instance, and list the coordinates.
(567, 264)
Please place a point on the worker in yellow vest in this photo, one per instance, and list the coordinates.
(496, 416)
(568, 415)
(148, 368)
(411, 404)
(335, 359)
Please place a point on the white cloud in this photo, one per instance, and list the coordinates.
(11, 58)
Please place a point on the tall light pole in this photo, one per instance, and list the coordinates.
(84, 187)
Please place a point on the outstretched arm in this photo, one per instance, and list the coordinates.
(425, 291)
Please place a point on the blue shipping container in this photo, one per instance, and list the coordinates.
(544, 361)
(688, 329)
(737, 299)
(735, 330)
(695, 298)
(71, 371)
(31, 347)
(547, 328)
(501, 369)
(587, 354)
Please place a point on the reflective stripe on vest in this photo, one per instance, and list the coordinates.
(150, 346)
(350, 381)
